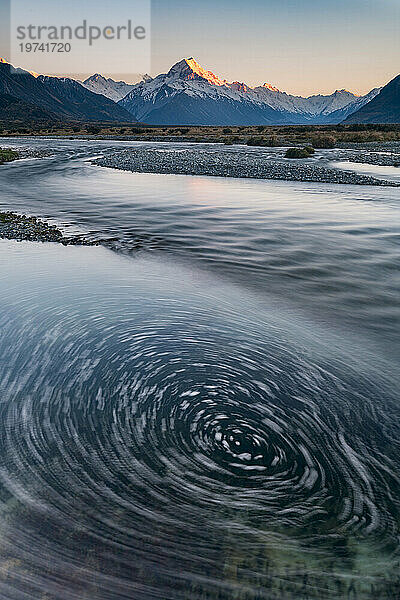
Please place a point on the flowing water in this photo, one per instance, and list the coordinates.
(378, 171)
(210, 410)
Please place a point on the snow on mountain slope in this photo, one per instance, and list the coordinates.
(186, 95)
(115, 90)
(175, 94)
(165, 100)
(312, 106)
(339, 115)
(190, 69)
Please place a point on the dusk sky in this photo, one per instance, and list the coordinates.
(300, 46)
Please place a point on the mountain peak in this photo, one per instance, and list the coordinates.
(270, 87)
(114, 90)
(95, 77)
(344, 91)
(239, 86)
(189, 68)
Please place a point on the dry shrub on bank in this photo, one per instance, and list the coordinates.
(323, 141)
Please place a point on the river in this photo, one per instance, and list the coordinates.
(205, 406)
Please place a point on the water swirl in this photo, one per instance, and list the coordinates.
(152, 430)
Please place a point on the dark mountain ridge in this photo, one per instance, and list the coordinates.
(384, 108)
(62, 98)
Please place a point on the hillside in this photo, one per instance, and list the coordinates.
(64, 98)
(384, 108)
(14, 110)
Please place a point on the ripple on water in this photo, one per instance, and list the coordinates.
(163, 441)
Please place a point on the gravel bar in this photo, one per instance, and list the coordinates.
(386, 154)
(21, 227)
(223, 163)
(33, 153)
(28, 152)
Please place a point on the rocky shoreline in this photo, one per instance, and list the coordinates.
(34, 153)
(385, 154)
(27, 152)
(231, 163)
(24, 228)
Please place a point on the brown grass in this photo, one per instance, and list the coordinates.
(318, 135)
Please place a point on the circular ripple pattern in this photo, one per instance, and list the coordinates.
(157, 431)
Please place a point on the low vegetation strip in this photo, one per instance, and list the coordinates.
(318, 136)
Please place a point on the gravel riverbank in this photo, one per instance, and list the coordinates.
(34, 153)
(384, 154)
(231, 163)
(22, 227)
(28, 152)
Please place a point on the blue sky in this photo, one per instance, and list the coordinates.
(301, 46)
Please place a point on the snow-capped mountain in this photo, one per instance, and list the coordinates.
(313, 106)
(339, 115)
(115, 90)
(191, 95)
(188, 94)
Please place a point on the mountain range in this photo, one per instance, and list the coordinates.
(186, 95)
(115, 90)
(384, 108)
(190, 95)
(52, 98)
